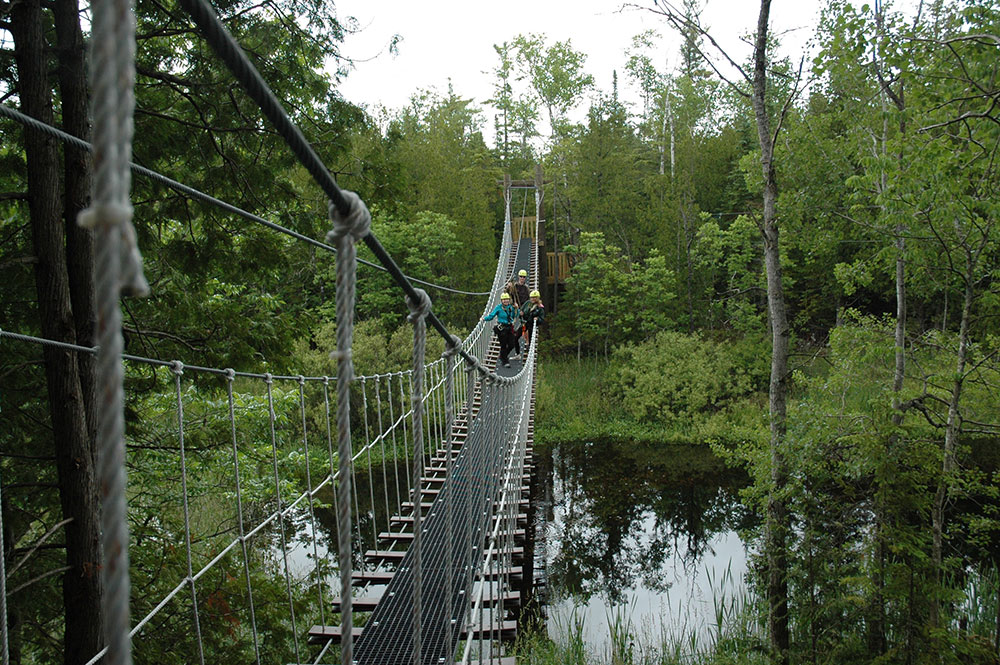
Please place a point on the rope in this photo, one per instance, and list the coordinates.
(449, 419)
(419, 309)
(5, 653)
(309, 486)
(351, 221)
(371, 466)
(113, 75)
(281, 522)
(230, 377)
(178, 370)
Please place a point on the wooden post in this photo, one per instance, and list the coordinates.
(542, 276)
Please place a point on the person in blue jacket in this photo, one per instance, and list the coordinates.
(505, 313)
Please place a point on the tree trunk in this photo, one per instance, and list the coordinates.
(777, 514)
(951, 434)
(77, 488)
(77, 170)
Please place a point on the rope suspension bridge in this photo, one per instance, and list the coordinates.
(423, 472)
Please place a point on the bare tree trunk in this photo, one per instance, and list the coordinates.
(951, 434)
(777, 513)
(74, 456)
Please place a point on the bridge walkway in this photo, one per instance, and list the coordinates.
(459, 512)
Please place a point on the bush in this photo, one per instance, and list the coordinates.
(677, 377)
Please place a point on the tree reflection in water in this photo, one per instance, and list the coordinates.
(625, 515)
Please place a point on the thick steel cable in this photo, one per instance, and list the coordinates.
(230, 377)
(499, 276)
(281, 521)
(419, 309)
(236, 60)
(351, 221)
(178, 370)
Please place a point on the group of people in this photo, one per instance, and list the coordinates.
(518, 313)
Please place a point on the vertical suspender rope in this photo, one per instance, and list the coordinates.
(4, 646)
(385, 459)
(177, 367)
(113, 75)
(349, 226)
(418, 317)
(449, 443)
(309, 488)
(402, 416)
(371, 468)
(279, 509)
(230, 376)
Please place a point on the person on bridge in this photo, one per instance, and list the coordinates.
(521, 288)
(506, 315)
(532, 312)
(519, 292)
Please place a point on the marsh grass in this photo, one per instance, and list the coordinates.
(734, 635)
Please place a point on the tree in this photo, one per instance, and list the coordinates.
(447, 169)
(768, 128)
(555, 74)
(517, 117)
(57, 265)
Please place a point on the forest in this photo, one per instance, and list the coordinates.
(792, 261)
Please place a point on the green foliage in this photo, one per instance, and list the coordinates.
(680, 379)
(555, 73)
(612, 300)
(731, 259)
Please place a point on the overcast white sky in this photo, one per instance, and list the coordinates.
(453, 39)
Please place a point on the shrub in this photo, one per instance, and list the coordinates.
(675, 377)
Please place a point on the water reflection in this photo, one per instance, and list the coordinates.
(629, 517)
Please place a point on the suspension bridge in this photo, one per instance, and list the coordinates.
(425, 471)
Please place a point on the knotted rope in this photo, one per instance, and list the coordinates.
(118, 271)
(419, 309)
(347, 230)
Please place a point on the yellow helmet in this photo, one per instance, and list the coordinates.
(522, 273)
(535, 294)
(504, 296)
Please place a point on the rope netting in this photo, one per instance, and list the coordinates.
(265, 482)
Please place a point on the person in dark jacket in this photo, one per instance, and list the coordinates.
(506, 314)
(521, 288)
(532, 312)
(520, 295)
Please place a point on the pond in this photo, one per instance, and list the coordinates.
(641, 536)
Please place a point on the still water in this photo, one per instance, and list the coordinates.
(647, 534)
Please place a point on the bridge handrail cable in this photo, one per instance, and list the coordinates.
(55, 132)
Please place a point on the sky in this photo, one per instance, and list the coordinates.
(444, 40)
